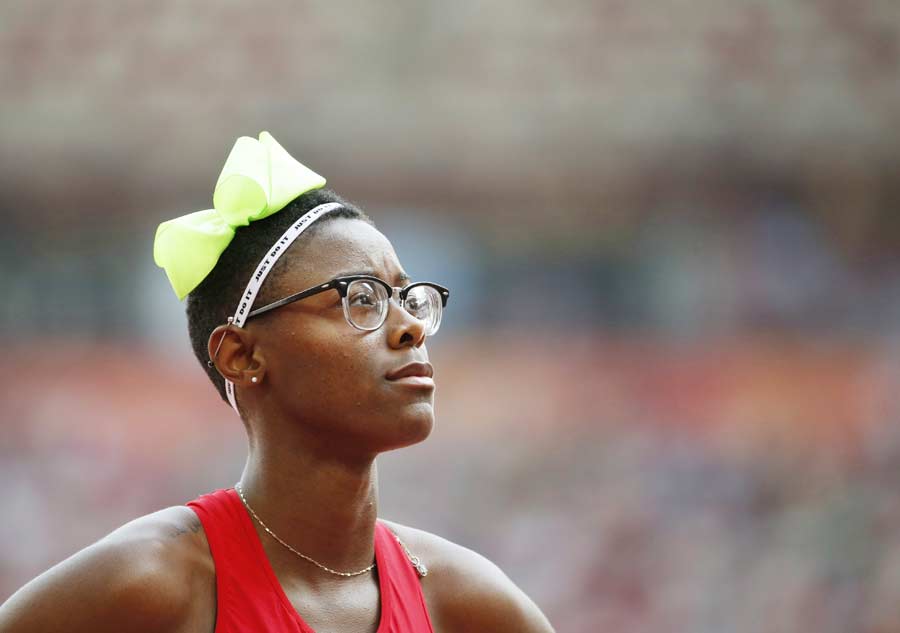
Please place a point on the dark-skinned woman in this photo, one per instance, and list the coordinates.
(309, 327)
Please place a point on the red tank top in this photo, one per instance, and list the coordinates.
(249, 597)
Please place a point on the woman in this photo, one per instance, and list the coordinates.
(309, 327)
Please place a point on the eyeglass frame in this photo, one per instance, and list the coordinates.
(342, 283)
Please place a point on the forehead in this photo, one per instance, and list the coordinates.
(338, 247)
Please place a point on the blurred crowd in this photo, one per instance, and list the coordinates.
(624, 485)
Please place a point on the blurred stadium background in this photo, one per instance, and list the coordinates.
(669, 375)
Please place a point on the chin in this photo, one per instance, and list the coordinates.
(415, 424)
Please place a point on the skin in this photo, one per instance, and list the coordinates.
(317, 416)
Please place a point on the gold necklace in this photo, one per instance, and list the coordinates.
(301, 555)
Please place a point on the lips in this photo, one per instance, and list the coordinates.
(412, 369)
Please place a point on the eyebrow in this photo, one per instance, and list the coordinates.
(403, 277)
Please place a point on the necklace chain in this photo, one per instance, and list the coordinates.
(301, 555)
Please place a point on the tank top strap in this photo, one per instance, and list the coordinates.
(248, 596)
(400, 582)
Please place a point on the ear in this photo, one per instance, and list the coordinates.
(239, 359)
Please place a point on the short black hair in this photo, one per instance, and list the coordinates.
(216, 298)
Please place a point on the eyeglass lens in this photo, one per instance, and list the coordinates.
(367, 305)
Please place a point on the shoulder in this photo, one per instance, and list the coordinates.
(467, 592)
(141, 577)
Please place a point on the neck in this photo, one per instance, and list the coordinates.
(321, 506)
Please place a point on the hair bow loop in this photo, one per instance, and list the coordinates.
(259, 178)
(242, 190)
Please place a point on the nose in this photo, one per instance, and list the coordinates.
(403, 329)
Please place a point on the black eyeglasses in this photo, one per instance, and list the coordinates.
(366, 300)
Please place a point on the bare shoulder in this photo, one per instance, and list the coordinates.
(141, 577)
(467, 592)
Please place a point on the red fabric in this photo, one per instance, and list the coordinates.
(250, 597)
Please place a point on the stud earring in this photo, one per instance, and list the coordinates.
(254, 379)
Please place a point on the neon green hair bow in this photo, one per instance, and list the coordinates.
(259, 178)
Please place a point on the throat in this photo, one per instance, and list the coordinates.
(321, 521)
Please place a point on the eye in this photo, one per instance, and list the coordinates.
(362, 298)
(413, 302)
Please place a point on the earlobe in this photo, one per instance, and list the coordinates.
(256, 370)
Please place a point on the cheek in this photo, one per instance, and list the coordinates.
(335, 372)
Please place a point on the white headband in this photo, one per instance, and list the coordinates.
(265, 266)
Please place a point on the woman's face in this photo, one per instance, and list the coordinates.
(329, 377)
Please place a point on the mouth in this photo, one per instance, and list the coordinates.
(420, 375)
(415, 381)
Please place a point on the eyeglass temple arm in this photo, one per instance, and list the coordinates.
(277, 304)
(303, 294)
